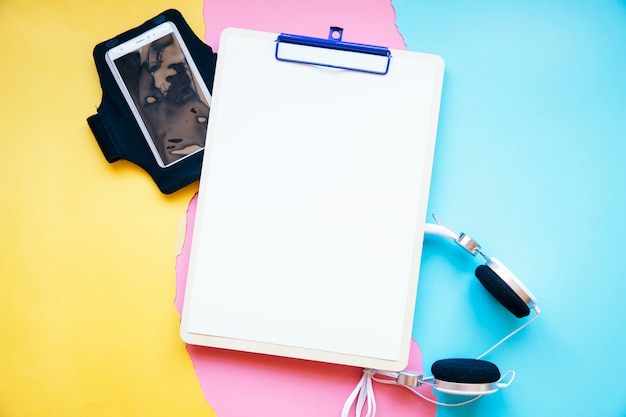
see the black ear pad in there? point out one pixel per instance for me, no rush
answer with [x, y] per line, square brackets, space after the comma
[465, 371]
[501, 291]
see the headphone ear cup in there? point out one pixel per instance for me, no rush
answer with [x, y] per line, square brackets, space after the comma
[501, 291]
[465, 371]
[465, 376]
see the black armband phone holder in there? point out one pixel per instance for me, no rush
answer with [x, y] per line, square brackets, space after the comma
[114, 126]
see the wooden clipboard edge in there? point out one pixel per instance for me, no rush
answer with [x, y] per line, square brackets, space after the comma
[426, 181]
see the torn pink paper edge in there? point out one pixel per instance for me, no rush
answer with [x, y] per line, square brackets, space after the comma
[370, 22]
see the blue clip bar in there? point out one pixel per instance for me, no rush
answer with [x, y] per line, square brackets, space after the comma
[335, 42]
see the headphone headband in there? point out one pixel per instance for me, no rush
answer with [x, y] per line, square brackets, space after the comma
[467, 377]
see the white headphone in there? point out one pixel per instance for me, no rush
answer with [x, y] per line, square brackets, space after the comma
[458, 376]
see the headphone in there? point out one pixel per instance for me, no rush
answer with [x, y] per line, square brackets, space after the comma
[459, 376]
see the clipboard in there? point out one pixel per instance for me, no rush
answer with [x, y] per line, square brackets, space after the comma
[312, 201]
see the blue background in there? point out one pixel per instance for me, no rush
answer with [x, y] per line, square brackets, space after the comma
[530, 162]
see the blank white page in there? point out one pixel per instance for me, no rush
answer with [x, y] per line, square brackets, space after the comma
[312, 202]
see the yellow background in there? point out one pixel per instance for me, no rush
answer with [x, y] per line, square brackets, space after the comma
[87, 266]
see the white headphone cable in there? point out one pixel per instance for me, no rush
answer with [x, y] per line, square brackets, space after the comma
[505, 338]
[362, 393]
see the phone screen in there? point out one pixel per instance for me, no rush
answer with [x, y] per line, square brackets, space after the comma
[165, 92]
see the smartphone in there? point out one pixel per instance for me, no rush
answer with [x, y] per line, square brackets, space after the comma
[164, 91]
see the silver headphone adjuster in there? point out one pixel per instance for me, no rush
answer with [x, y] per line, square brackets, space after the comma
[463, 240]
[410, 379]
[468, 243]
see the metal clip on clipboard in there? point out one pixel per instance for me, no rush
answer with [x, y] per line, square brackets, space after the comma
[333, 52]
